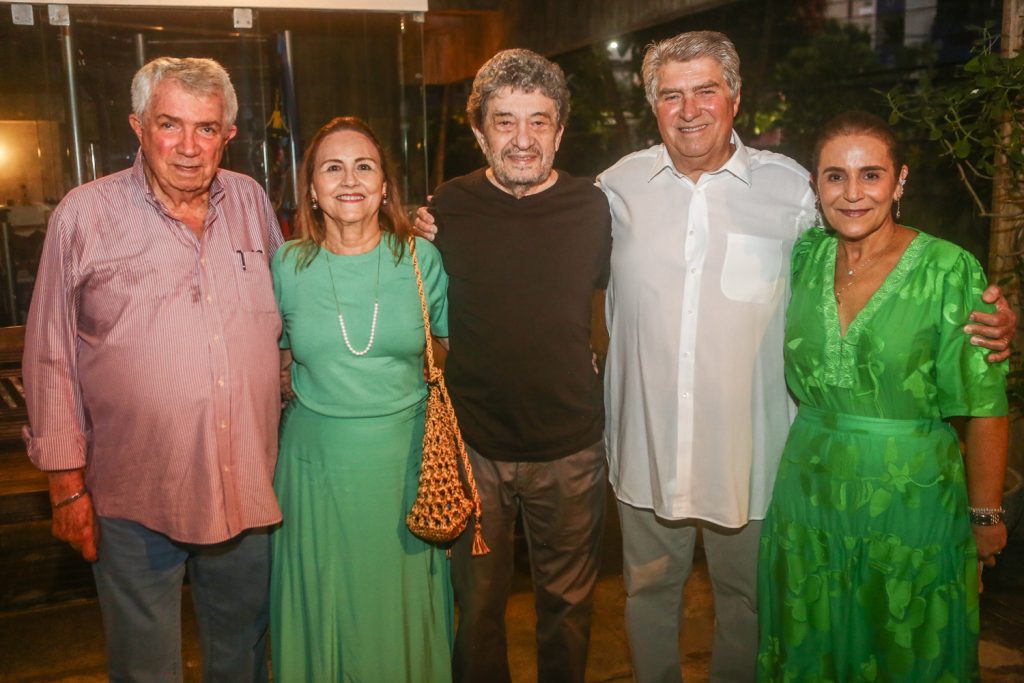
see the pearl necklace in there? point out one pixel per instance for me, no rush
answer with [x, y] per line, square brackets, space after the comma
[341, 317]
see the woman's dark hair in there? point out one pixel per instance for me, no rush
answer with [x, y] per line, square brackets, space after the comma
[856, 122]
[309, 222]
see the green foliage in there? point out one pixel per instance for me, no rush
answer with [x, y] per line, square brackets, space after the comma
[975, 119]
[834, 71]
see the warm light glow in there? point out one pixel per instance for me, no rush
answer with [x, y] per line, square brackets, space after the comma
[3, 154]
[614, 45]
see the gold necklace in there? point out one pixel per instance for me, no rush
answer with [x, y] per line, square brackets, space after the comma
[856, 272]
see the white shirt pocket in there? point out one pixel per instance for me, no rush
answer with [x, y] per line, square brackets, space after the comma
[752, 268]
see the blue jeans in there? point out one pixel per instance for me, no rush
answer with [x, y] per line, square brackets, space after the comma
[138, 578]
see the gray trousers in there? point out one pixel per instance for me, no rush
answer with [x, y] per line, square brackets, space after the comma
[563, 504]
[657, 560]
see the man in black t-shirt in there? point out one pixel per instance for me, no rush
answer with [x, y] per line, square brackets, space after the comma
[525, 247]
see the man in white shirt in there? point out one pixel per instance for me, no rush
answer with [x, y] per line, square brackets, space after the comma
[696, 401]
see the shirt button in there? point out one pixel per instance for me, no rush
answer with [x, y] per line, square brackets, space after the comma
[693, 270]
[220, 381]
[209, 299]
[216, 337]
[686, 354]
[202, 261]
[686, 395]
[223, 424]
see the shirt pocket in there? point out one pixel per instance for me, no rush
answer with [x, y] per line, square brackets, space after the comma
[255, 285]
[752, 268]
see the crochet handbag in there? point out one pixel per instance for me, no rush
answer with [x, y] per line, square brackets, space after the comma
[446, 497]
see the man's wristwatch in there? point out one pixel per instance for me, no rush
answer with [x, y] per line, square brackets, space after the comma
[987, 516]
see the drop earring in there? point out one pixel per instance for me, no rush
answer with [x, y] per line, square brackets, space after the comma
[316, 207]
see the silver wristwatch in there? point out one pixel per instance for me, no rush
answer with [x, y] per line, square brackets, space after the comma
[987, 516]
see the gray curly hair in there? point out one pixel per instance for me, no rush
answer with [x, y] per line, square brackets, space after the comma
[522, 70]
[200, 76]
[686, 47]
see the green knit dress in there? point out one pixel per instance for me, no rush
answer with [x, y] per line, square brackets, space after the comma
[354, 596]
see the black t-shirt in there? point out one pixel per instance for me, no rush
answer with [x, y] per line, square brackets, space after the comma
[522, 277]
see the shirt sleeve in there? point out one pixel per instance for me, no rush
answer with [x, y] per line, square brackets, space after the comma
[808, 216]
[967, 383]
[274, 237]
[435, 286]
[277, 270]
[55, 435]
[604, 269]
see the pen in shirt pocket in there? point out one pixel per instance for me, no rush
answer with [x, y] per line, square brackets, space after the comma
[241, 255]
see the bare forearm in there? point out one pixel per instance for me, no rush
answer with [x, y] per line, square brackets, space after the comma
[285, 376]
[986, 443]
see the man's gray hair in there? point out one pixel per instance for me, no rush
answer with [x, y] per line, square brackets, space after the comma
[522, 70]
[198, 76]
[686, 47]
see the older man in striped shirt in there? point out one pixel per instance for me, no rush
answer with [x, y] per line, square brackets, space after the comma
[151, 376]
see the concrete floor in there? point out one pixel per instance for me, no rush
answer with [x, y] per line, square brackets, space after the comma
[64, 642]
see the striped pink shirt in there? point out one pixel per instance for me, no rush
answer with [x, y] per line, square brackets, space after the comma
[151, 356]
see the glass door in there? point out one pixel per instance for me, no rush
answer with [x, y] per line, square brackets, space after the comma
[65, 98]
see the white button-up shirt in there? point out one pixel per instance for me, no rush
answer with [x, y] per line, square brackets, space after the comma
[696, 400]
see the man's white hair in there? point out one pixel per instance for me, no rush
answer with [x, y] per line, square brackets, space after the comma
[198, 76]
[686, 47]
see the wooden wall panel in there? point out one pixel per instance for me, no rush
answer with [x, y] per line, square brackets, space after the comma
[462, 34]
[456, 44]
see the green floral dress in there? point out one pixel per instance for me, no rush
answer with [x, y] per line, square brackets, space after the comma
[867, 569]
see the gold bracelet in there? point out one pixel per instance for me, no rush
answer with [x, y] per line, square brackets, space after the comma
[70, 499]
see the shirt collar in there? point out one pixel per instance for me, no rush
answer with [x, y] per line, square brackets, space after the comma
[737, 165]
[139, 177]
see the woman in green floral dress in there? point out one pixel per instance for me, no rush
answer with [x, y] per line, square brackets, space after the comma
[869, 558]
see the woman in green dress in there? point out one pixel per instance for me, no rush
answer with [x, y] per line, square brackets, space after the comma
[355, 597]
[869, 558]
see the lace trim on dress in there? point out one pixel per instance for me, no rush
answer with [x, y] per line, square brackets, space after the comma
[840, 351]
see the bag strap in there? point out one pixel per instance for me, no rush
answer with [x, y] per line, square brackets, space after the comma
[436, 378]
[433, 374]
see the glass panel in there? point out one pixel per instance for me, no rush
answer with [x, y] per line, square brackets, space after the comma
[34, 168]
[366, 64]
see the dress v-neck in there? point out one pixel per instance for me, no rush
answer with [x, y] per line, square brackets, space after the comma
[838, 346]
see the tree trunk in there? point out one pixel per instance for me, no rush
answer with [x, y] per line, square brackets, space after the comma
[1007, 223]
[1005, 237]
